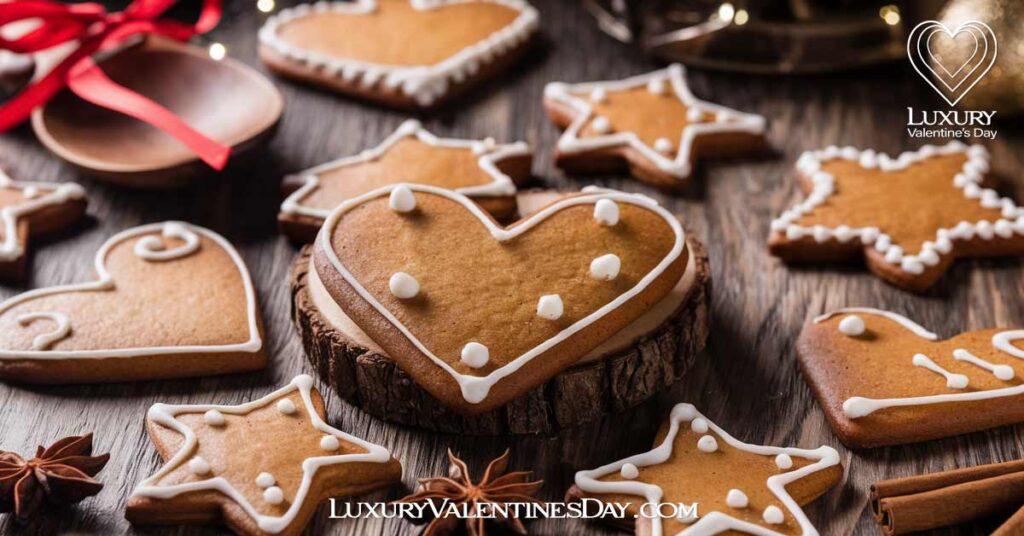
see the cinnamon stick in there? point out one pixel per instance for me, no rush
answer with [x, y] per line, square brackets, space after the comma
[1013, 526]
[947, 498]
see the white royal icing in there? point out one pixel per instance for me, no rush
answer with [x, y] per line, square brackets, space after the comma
[712, 522]
[273, 495]
[61, 328]
[699, 426]
[166, 415]
[35, 200]
[856, 407]
[601, 125]
[329, 443]
[403, 286]
[475, 354]
[914, 327]
[969, 180]
[657, 82]
[773, 515]
[475, 388]
[199, 466]
[424, 83]
[214, 418]
[736, 499]
[152, 248]
[105, 281]
[286, 407]
[550, 307]
[629, 471]
[606, 267]
[606, 212]
[490, 156]
[1001, 372]
[402, 200]
[852, 325]
[265, 480]
[707, 444]
[784, 461]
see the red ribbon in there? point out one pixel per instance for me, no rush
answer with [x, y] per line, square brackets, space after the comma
[96, 31]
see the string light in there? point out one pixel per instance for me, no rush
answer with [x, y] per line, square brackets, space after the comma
[890, 14]
[741, 17]
[726, 12]
[218, 51]
[266, 6]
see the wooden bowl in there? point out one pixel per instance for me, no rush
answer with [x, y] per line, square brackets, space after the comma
[225, 100]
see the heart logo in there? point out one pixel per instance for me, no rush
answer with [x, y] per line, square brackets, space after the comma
[477, 313]
[952, 62]
[172, 295]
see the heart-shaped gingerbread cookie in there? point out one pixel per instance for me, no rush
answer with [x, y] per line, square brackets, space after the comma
[406, 53]
[477, 313]
[171, 300]
[882, 379]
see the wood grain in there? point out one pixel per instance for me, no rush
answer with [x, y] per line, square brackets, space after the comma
[747, 379]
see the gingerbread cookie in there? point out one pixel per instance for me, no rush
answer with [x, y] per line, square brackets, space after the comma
[650, 123]
[908, 217]
[170, 300]
[32, 209]
[737, 487]
[883, 379]
[261, 467]
[478, 314]
[484, 170]
[403, 53]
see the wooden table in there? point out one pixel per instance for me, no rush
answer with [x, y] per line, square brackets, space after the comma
[747, 380]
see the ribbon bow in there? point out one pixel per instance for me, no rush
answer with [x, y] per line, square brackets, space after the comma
[97, 31]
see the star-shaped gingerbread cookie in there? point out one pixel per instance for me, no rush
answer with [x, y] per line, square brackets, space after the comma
[735, 486]
[261, 467]
[650, 123]
[484, 170]
[32, 209]
[909, 217]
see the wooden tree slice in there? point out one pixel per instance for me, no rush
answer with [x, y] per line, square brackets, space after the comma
[640, 361]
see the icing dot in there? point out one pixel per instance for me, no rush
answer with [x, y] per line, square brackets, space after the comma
[550, 307]
[273, 495]
[601, 125]
[699, 425]
[707, 444]
[329, 443]
[784, 461]
[599, 95]
[852, 326]
[629, 471]
[404, 286]
[401, 199]
[481, 147]
[214, 418]
[265, 480]
[656, 86]
[198, 466]
[772, 515]
[694, 115]
[286, 406]
[606, 212]
[30, 192]
[1003, 372]
[605, 267]
[475, 354]
[663, 145]
[736, 499]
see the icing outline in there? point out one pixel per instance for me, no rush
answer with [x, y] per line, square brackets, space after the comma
[857, 407]
[105, 281]
[717, 521]
[423, 83]
[679, 166]
[60, 192]
[502, 184]
[968, 180]
[165, 414]
[475, 388]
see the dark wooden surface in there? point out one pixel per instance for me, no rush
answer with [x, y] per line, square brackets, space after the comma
[747, 380]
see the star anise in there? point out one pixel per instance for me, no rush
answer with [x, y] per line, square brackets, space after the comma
[60, 474]
[495, 488]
